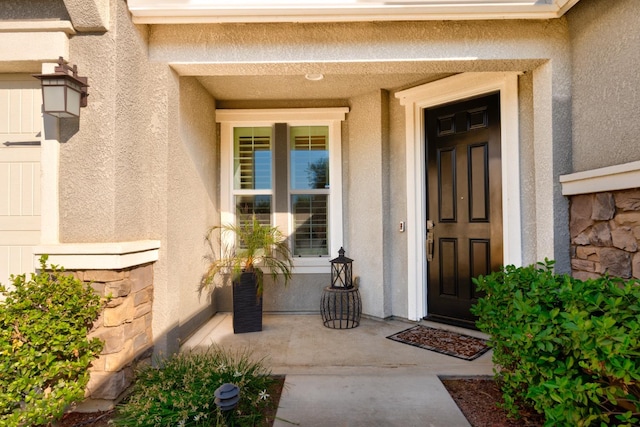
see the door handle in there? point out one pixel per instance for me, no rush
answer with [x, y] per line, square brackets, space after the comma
[429, 242]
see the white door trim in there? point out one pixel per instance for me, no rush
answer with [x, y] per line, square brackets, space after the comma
[450, 89]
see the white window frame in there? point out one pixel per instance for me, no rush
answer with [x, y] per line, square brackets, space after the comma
[331, 117]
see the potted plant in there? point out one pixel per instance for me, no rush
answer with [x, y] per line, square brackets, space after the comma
[248, 250]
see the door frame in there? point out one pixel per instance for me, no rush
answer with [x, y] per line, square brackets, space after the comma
[415, 101]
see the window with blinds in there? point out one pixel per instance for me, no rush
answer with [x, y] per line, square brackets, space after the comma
[252, 173]
[310, 216]
[309, 157]
[252, 158]
[309, 189]
[284, 167]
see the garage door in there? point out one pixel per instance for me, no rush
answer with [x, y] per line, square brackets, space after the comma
[20, 125]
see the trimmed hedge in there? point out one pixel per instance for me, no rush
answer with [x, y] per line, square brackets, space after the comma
[44, 350]
[566, 347]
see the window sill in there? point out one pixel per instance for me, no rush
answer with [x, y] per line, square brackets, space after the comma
[307, 265]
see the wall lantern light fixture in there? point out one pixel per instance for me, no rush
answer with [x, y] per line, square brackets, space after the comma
[63, 93]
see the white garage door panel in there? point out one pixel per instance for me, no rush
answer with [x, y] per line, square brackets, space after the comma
[19, 185]
[20, 124]
[11, 223]
[18, 100]
[19, 238]
[15, 259]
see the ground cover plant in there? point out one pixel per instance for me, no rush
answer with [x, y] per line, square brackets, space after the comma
[569, 348]
[44, 350]
[180, 392]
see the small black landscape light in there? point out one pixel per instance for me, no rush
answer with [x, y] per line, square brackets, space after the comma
[341, 271]
[227, 397]
[62, 93]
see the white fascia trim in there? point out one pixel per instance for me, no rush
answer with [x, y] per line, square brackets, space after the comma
[99, 256]
[611, 178]
[450, 89]
[212, 11]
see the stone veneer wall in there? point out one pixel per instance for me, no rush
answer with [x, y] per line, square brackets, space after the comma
[125, 328]
[605, 234]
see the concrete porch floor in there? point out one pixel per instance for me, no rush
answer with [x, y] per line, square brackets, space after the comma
[349, 377]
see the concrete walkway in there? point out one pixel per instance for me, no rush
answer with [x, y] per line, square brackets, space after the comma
[350, 377]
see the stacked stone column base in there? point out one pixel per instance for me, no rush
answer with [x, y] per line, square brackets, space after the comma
[605, 234]
[125, 328]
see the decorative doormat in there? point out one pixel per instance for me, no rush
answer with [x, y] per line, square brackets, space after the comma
[446, 342]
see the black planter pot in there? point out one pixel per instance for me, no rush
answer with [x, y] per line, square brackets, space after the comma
[247, 305]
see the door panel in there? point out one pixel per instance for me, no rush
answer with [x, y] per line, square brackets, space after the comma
[464, 203]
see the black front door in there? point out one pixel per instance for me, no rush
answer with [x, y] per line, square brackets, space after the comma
[464, 209]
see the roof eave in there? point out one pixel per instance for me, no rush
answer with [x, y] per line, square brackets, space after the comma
[172, 12]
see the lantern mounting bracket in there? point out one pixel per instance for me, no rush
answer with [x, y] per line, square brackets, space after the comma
[63, 67]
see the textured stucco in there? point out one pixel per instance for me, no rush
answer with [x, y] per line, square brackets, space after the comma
[605, 41]
[140, 164]
[365, 207]
[191, 203]
[89, 15]
[33, 9]
[445, 43]
[527, 169]
[396, 241]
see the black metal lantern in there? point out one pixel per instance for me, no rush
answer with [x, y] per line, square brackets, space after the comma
[341, 305]
[341, 271]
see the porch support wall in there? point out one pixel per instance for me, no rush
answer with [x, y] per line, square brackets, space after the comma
[366, 205]
[140, 163]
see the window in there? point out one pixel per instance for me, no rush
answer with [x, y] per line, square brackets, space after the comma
[284, 166]
[309, 189]
[252, 173]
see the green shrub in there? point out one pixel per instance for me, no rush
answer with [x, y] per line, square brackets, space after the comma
[181, 392]
[44, 350]
[567, 347]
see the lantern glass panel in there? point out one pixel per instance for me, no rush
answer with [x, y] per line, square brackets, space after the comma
[73, 101]
[341, 276]
[53, 98]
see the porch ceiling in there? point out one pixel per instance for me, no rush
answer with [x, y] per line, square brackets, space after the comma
[297, 87]
[242, 81]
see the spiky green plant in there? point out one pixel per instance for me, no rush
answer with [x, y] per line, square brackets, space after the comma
[180, 391]
[248, 247]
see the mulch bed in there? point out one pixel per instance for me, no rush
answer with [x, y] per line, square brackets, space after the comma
[478, 399]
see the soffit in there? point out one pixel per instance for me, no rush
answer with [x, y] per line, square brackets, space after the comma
[216, 11]
[342, 80]
[297, 87]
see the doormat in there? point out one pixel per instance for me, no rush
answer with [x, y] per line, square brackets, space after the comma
[450, 343]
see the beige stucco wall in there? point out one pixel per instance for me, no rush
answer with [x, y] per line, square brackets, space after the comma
[33, 9]
[605, 37]
[139, 164]
[365, 207]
